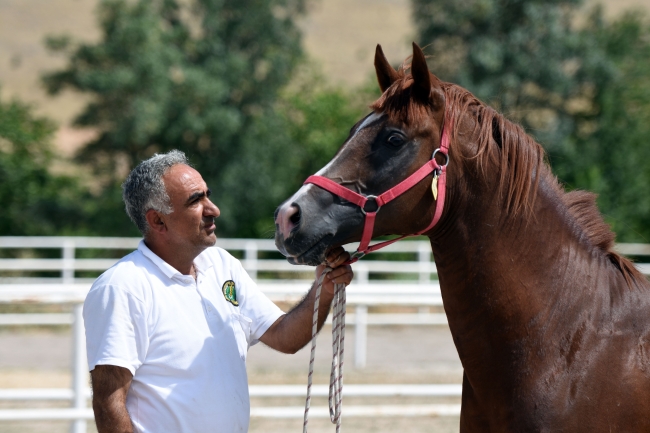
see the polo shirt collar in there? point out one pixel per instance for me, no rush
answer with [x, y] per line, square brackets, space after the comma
[201, 263]
[165, 267]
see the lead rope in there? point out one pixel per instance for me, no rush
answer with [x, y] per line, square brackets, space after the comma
[338, 339]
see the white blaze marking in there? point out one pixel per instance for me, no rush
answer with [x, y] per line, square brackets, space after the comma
[302, 191]
[366, 122]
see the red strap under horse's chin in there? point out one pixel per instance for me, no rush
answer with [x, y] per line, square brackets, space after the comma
[386, 197]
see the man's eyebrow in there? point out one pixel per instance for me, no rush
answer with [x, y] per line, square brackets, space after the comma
[195, 196]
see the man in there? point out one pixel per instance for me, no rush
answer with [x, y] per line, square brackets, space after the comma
[169, 326]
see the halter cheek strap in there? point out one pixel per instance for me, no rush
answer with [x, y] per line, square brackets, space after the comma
[431, 166]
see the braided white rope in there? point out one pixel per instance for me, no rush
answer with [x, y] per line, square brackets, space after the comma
[338, 340]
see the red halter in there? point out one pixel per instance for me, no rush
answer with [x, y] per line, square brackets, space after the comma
[391, 194]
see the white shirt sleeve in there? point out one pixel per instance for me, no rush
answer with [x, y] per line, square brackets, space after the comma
[116, 328]
[255, 305]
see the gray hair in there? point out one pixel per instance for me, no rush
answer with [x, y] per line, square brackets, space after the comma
[144, 188]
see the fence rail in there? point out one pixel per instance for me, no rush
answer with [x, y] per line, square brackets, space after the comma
[412, 282]
[255, 412]
[260, 391]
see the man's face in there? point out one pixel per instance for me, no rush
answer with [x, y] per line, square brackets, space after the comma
[191, 222]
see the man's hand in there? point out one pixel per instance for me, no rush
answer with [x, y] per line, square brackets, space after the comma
[293, 330]
[110, 386]
[339, 274]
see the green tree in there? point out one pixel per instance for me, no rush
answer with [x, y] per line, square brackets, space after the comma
[523, 57]
[33, 201]
[609, 152]
[579, 90]
[198, 76]
[299, 135]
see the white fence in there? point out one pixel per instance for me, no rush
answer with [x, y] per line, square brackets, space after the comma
[413, 282]
[422, 290]
[84, 413]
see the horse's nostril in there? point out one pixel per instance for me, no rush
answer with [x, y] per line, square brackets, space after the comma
[287, 220]
[295, 217]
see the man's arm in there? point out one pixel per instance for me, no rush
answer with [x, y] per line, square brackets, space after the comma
[110, 386]
[293, 330]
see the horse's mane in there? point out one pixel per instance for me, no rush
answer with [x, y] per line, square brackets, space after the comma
[517, 155]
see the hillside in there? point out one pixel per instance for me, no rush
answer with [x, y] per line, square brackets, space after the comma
[339, 34]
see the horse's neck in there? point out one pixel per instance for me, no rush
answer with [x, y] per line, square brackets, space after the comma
[504, 279]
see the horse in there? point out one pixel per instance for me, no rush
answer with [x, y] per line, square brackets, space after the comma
[551, 325]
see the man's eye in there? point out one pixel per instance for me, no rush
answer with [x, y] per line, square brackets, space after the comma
[395, 140]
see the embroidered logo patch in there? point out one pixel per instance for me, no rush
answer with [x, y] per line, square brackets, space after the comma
[230, 292]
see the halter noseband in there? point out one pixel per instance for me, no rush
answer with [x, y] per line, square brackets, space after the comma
[432, 166]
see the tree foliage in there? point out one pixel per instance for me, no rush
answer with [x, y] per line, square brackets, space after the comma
[187, 75]
[213, 78]
[579, 89]
[609, 151]
[295, 138]
[34, 201]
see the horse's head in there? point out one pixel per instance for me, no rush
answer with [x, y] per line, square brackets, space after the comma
[384, 148]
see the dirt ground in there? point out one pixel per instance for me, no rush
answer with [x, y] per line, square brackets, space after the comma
[396, 354]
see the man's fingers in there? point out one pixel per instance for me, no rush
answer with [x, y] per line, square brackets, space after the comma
[334, 273]
[341, 275]
[334, 254]
[337, 256]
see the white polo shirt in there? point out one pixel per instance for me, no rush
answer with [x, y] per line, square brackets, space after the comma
[184, 341]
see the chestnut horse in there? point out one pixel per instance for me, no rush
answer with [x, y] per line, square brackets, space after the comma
[551, 325]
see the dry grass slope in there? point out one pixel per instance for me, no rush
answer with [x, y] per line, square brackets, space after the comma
[339, 34]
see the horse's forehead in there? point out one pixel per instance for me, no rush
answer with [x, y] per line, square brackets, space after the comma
[370, 119]
[377, 120]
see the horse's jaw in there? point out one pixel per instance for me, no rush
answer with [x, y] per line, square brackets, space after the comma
[304, 250]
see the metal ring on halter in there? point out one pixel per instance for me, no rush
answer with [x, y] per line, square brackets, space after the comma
[442, 153]
[357, 254]
[373, 197]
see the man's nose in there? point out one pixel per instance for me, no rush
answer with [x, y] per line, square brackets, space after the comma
[211, 210]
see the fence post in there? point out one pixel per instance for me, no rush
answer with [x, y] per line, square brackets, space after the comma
[360, 336]
[79, 368]
[361, 274]
[424, 259]
[68, 255]
[250, 257]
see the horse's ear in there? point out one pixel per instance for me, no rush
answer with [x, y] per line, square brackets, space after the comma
[425, 85]
[386, 75]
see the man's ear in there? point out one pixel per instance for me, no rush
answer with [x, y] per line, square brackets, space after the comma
[155, 221]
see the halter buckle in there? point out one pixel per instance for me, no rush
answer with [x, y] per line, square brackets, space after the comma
[370, 197]
[357, 255]
[433, 156]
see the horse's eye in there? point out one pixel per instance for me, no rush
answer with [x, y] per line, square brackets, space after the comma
[395, 139]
